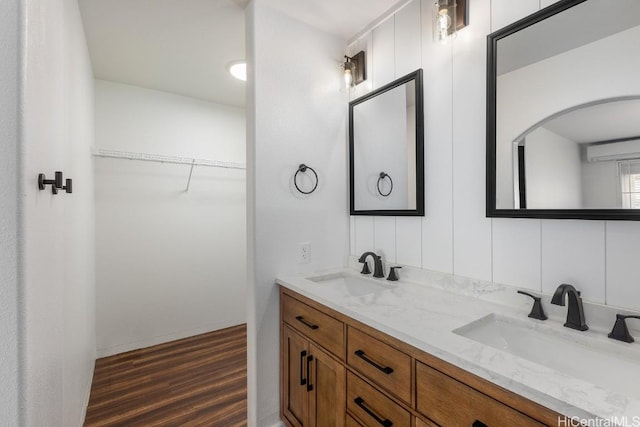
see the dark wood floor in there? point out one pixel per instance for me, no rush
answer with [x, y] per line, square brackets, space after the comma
[197, 381]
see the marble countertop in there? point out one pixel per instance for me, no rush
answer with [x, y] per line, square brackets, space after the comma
[424, 308]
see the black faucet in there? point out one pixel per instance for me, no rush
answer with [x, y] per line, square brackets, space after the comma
[377, 262]
[575, 312]
[620, 330]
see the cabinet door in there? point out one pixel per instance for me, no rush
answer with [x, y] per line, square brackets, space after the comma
[327, 400]
[294, 377]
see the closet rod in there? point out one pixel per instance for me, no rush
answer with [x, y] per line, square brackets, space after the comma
[158, 158]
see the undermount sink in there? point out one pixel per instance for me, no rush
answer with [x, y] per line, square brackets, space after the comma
[610, 365]
[353, 285]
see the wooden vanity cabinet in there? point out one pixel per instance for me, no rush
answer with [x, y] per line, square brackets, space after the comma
[336, 372]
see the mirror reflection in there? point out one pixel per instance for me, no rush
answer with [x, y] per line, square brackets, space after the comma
[386, 150]
[567, 110]
[584, 158]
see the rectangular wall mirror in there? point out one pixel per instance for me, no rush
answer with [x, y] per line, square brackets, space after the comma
[563, 113]
[386, 150]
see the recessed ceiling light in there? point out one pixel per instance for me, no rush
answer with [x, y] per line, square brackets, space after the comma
[238, 69]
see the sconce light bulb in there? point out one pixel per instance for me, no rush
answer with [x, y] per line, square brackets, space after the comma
[444, 12]
[444, 23]
[349, 69]
[348, 79]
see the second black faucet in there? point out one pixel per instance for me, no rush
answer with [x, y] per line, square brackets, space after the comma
[377, 264]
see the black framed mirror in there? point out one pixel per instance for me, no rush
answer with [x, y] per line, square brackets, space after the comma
[563, 113]
[386, 149]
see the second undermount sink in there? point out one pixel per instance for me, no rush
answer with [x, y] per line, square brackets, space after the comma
[606, 364]
[353, 285]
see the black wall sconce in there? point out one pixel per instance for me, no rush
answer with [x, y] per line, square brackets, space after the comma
[355, 70]
[449, 16]
[56, 183]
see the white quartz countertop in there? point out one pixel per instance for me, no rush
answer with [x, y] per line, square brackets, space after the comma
[424, 315]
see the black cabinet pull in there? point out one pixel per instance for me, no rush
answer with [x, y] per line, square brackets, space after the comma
[303, 354]
[306, 322]
[384, 422]
[309, 385]
[386, 369]
[478, 423]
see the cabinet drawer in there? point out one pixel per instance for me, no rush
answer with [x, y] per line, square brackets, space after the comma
[422, 423]
[371, 407]
[451, 403]
[321, 328]
[381, 363]
[352, 423]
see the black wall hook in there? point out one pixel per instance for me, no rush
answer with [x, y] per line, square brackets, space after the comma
[56, 183]
[303, 168]
[382, 176]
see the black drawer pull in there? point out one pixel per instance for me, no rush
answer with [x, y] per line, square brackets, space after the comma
[309, 385]
[386, 369]
[303, 353]
[306, 322]
[478, 423]
[360, 402]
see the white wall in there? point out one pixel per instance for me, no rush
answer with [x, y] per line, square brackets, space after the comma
[455, 236]
[9, 366]
[297, 115]
[56, 234]
[553, 171]
[601, 185]
[170, 263]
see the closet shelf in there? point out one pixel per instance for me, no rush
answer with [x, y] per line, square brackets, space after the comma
[159, 158]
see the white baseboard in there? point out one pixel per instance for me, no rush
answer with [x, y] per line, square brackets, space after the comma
[122, 348]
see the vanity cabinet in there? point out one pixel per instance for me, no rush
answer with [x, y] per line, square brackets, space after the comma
[313, 384]
[337, 371]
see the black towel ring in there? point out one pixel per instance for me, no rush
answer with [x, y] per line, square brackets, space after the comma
[380, 178]
[303, 168]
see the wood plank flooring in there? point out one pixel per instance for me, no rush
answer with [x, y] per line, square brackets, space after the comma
[196, 381]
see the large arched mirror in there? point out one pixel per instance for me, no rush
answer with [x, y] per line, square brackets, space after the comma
[563, 113]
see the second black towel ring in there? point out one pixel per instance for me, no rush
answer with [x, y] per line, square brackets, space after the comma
[303, 168]
[380, 178]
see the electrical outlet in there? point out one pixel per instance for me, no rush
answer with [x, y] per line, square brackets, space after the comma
[304, 254]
